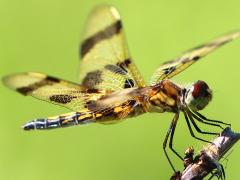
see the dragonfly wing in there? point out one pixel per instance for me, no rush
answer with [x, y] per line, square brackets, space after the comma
[105, 61]
[53, 90]
[173, 67]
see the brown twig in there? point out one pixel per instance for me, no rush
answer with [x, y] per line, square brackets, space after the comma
[208, 158]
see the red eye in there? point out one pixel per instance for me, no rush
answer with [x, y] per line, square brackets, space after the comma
[201, 89]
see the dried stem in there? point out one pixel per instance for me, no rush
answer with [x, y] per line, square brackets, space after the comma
[207, 160]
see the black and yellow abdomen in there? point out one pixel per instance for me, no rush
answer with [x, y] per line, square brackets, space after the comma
[103, 116]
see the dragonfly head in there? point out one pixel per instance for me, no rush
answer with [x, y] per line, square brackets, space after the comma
[198, 95]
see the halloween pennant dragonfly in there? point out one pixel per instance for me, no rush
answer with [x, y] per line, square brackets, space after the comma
[111, 88]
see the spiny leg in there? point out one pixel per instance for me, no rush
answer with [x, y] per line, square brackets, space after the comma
[190, 129]
[170, 129]
[165, 144]
[196, 126]
[210, 120]
[201, 120]
[172, 135]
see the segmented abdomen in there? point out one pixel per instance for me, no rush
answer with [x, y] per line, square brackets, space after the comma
[104, 116]
[71, 119]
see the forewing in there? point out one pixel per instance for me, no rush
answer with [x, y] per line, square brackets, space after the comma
[171, 68]
[53, 90]
[105, 61]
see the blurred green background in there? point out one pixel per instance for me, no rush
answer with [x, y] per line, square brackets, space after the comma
[44, 35]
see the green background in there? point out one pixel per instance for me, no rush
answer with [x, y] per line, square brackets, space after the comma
[44, 35]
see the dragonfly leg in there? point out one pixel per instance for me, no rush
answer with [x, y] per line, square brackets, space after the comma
[196, 115]
[170, 132]
[165, 145]
[190, 129]
[204, 122]
[196, 126]
[172, 135]
[210, 120]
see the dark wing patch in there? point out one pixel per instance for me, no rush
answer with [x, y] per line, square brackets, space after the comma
[107, 33]
[129, 83]
[169, 70]
[52, 79]
[92, 79]
[24, 90]
[124, 63]
[48, 80]
[116, 69]
[62, 98]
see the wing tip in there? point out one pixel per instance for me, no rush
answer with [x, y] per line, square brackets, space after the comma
[235, 34]
[109, 7]
[7, 80]
[13, 81]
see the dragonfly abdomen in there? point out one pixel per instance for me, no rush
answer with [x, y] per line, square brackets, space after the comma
[71, 119]
[105, 116]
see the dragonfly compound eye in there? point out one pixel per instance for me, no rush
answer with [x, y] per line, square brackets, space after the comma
[199, 95]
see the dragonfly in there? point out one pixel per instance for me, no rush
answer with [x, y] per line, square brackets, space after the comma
[110, 87]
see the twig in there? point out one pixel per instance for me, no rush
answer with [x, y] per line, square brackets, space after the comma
[207, 160]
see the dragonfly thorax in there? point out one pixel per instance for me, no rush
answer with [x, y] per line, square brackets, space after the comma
[166, 96]
[198, 95]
